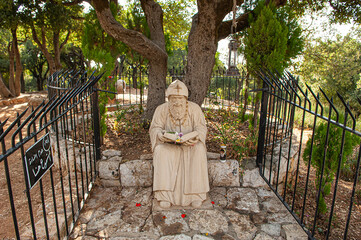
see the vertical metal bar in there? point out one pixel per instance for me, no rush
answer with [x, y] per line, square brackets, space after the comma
[10, 191]
[268, 129]
[282, 110]
[54, 196]
[42, 193]
[96, 123]
[85, 153]
[89, 127]
[290, 142]
[309, 163]
[274, 139]
[66, 138]
[322, 171]
[229, 89]
[27, 185]
[61, 174]
[93, 138]
[299, 155]
[352, 194]
[222, 97]
[337, 177]
[74, 123]
[275, 133]
[262, 127]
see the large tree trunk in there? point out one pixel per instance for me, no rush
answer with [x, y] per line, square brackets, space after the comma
[53, 61]
[4, 91]
[19, 67]
[157, 76]
[153, 49]
[11, 68]
[202, 47]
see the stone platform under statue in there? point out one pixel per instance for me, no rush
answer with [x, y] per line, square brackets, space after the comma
[122, 206]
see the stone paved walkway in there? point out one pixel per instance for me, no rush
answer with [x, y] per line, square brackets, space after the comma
[234, 213]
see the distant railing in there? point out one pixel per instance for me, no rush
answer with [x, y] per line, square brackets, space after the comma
[223, 90]
[49, 160]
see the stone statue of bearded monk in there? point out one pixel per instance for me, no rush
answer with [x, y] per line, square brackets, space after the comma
[178, 134]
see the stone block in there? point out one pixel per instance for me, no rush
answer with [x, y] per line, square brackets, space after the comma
[271, 229]
[176, 237]
[201, 237]
[273, 205]
[243, 199]
[218, 196]
[251, 178]
[136, 173]
[213, 156]
[264, 194]
[170, 222]
[242, 225]
[223, 174]
[110, 182]
[263, 236]
[111, 153]
[208, 221]
[293, 232]
[109, 169]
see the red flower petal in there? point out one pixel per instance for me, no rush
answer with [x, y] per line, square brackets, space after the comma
[183, 215]
[212, 202]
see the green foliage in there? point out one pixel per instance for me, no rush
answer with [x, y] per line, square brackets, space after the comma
[128, 120]
[272, 39]
[332, 151]
[225, 126]
[335, 66]
[349, 168]
[98, 46]
[341, 11]
[34, 61]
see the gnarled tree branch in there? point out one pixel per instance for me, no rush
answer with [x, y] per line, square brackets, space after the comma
[242, 21]
[135, 40]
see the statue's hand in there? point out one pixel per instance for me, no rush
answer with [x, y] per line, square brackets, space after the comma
[161, 137]
[191, 142]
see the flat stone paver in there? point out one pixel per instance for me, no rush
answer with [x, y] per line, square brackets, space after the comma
[129, 213]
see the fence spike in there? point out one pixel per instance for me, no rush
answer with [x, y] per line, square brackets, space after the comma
[330, 102]
[13, 123]
[316, 97]
[23, 124]
[348, 109]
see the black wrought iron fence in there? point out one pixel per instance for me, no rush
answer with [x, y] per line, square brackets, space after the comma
[49, 160]
[307, 170]
[132, 84]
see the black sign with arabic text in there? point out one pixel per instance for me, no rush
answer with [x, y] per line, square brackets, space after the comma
[38, 160]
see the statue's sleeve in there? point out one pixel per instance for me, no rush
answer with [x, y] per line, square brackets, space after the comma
[200, 124]
[157, 125]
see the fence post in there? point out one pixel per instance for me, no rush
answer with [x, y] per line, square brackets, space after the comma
[262, 125]
[96, 122]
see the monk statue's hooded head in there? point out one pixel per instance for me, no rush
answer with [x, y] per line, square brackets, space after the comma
[177, 94]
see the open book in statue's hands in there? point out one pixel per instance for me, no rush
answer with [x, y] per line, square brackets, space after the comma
[179, 138]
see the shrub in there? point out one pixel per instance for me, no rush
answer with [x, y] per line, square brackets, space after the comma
[331, 162]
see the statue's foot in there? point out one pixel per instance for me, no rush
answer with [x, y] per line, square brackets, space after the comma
[164, 204]
[197, 203]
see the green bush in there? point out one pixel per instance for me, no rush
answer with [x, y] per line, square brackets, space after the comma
[332, 156]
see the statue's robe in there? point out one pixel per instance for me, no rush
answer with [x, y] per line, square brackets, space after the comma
[180, 172]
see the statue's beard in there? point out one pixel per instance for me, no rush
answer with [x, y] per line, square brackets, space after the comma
[177, 110]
